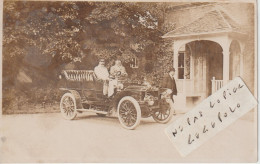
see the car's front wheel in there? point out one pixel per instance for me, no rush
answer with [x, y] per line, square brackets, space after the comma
[163, 114]
[129, 112]
[68, 106]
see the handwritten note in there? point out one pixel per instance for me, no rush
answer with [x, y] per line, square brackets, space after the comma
[211, 116]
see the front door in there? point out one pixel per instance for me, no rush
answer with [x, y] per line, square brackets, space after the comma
[214, 65]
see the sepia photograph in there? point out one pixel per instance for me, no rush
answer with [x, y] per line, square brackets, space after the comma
[115, 81]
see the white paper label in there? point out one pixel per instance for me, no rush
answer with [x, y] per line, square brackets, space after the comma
[211, 116]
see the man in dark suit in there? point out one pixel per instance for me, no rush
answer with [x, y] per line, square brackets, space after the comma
[169, 83]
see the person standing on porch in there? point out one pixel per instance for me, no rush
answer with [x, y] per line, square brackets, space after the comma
[168, 82]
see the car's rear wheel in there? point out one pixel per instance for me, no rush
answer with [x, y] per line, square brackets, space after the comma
[163, 114]
[68, 106]
[129, 112]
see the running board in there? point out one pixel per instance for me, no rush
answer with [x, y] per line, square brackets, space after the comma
[92, 110]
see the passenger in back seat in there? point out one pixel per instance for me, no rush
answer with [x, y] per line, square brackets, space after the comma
[102, 74]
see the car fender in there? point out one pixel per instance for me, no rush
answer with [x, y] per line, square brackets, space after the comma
[122, 94]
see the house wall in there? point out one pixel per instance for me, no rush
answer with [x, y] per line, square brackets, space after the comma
[242, 13]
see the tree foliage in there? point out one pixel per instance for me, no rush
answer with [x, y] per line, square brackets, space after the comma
[58, 32]
[42, 38]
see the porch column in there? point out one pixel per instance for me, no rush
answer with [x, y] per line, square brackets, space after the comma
[226, 55]
[175, 61]
[242, 48]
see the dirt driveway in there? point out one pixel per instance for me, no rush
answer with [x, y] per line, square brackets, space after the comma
[89, 138]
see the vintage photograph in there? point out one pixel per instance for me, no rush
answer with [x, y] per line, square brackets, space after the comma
[100, 81]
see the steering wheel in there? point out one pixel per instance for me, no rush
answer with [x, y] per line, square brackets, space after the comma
[118, 73]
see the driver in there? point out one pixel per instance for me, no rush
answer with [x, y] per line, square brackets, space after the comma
[118, 69]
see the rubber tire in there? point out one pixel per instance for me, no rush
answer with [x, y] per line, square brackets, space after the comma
[167, 119]
[74, 101]
[137, 108]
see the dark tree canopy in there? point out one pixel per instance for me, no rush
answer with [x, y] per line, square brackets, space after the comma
[40, 38]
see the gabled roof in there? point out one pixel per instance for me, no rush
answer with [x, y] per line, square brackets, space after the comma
[214, 21]
[183, 5]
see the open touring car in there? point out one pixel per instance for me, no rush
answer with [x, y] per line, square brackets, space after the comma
[131, 101]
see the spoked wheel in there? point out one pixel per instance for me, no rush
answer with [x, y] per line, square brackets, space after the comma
[68, 106]
[129, 112]
[163, 114]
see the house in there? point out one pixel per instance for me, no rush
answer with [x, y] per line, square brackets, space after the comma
[212, 44]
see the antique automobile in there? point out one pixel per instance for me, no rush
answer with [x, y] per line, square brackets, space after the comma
[131, 101]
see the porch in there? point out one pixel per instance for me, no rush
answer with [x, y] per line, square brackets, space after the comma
[205, 58]
[186, 90]
[186, 86]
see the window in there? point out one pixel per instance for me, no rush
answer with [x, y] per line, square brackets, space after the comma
[134, 63]
[184, 59]
[181, 65]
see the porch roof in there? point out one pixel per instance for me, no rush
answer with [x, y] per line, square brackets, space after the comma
[215, 21]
